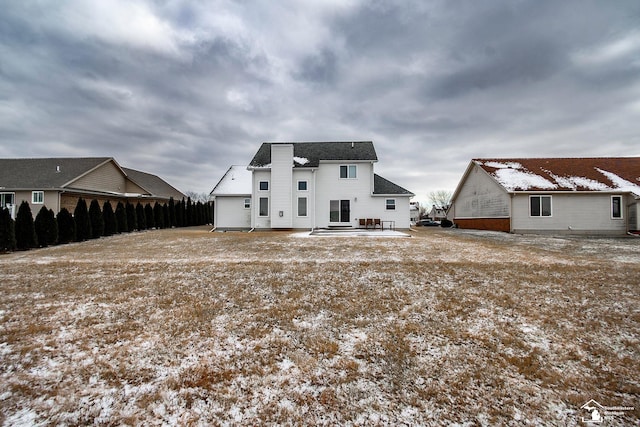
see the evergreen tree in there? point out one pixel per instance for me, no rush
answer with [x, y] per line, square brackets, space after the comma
[40, 225]
[132, 221]
[208, 209]
[66, 226]
[25, 230]
[199, 214]
[7, 231]
[180, 214]
[189, 213]
[148, 215]
[46, 227]
[172, 213]
[121, 218]
[81, 217]
[165, 213]
[97, 222]
[158, 215]
[109, 218]
[53, 228]
[140, 217]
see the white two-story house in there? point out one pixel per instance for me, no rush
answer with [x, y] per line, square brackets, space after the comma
[308, 185]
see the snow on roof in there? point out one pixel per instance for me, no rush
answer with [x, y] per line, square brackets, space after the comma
[566, 174]
[621, 183]
[236, 181]
[513, 179]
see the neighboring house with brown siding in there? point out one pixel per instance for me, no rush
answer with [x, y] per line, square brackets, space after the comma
[59, 182]
[550, 195]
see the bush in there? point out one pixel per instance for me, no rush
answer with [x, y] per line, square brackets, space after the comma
[81, 217]
[132, 222]
[172, 213]
[97, 222]
[66, 226]
[25, 230]
[7, 231]
[121, 218]
[148, 215]
[142, 221]
[180, 214]
[158, 215]
[46, 227]
[109, 218]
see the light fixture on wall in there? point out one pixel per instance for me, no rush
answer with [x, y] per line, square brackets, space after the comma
[280, 214]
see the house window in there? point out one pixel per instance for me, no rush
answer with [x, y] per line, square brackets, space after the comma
[247, 203]
[264, 186]
[302, 185]
[540, 205]
[6, 199]
[339, 211]
[302, 206]
[616, 207]
[264, 206]
[348, 171]
[37, 197]
[391, 204]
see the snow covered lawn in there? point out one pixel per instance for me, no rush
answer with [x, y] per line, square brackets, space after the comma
[449, 327]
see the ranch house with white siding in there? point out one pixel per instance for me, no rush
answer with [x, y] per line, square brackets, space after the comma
[309, 185]
[594, 196]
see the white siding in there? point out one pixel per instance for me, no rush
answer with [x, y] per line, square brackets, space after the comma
[570, 213]
[230, 212]
[481, 197]
[329, 186]
[281, 186]
[298, 221]
[399, 216]
[256, 220]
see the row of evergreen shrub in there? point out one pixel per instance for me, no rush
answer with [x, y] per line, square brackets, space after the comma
[93, 222]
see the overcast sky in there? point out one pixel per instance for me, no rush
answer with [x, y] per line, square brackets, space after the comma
[184, 89]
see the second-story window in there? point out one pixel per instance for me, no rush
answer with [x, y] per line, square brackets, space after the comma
[348, 171]
[264, 186]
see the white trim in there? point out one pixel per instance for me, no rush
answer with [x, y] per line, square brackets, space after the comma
[387, 205]
[259, 201]
[541, 211]
[306, 202]
[348, 166]
[620, 206]
[33, 197]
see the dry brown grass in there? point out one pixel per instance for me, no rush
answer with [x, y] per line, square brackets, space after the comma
[195, 328]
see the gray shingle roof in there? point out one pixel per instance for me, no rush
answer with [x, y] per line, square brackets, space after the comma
[46, 172]
[384, 186]
[60, 172]
[314, 152]
[153, 184]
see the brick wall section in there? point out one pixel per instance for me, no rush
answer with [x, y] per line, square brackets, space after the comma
[495, 224]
